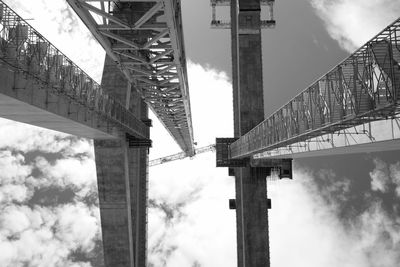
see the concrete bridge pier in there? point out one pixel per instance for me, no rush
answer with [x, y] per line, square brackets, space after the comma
[122, 167]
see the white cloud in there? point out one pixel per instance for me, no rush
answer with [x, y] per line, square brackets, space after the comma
[306, 230]
[354, 22]
[211, 106]
[378, 236]
[75, 169]
[13, 168]
[395, 174]
[77, 226]
[45, 235]
[14, 221]
[14, 193]
[335, 189]
[75, 173]
[27, 138]
[192, 222]
[385, 176]
[201, 228]
[380, 176]
[48, 236]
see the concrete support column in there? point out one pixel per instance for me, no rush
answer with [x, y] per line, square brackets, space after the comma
[138, 167]
[250, 183]
[138, 175]
[122, 181]
[251, 206]
[116, 218]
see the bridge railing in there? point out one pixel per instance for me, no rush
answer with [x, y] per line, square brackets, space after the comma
[364, 87]
[26, 50]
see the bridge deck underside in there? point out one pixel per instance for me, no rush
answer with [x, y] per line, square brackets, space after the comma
[380, 135]
[363, 88]
[36, 73]
[26, 102]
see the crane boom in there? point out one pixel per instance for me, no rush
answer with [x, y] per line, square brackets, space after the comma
[180, 155]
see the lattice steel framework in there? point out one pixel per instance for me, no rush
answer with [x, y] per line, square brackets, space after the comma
[146, 42]
[181, 155]
[363, 88]
[26, 51]
[380, 135]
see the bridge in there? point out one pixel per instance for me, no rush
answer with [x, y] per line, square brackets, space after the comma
[352, 108]
[145, 67]
[358, 97]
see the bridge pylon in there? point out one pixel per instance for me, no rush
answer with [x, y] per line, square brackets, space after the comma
[251, 201]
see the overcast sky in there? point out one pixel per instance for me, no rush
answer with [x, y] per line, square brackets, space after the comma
[338, 211]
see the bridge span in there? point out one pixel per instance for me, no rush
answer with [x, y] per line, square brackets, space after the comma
[145, 67]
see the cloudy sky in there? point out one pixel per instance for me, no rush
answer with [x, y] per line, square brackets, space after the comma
[338, 210]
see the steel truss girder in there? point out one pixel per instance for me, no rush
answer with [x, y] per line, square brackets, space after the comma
[363, 88]
[152, 59]
[380, 135]
[29, 53]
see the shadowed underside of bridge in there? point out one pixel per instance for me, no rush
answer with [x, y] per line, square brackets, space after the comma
[351, 109]
[144, 67]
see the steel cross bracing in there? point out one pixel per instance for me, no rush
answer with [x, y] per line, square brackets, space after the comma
[145, 39]
[33, 57]
[350, 99]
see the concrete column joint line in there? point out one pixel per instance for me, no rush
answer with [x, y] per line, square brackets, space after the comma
[242, 217]
[137, 151]
[128, 203]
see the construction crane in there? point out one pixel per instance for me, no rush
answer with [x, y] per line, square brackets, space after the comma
[180, 155]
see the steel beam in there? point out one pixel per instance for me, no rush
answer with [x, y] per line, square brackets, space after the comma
[150, 13]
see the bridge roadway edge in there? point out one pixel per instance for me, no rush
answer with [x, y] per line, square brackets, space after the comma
[28, 100]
